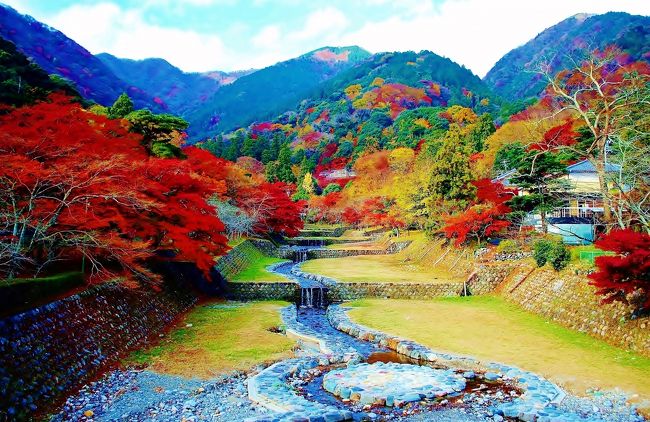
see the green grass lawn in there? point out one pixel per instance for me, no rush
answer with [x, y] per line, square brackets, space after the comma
[257, 272]
[223, 336]
[491, 329]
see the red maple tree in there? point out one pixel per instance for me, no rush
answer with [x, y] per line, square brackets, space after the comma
[627, 272]
[478, 222]
[272, 209]
[75, 184]
[484, 218]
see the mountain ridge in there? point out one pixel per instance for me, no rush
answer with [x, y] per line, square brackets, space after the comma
[58, 54]
[577, 33]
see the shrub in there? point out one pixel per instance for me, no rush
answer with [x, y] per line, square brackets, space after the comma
[559, 256]
[541, 250]
[508, 246]
[626, 274]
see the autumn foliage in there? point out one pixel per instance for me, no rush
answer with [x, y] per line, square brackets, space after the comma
[482, 219]
[272, 208]
[79, 186]
[559, 136]
[627, 272]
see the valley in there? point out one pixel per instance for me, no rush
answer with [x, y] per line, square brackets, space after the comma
[344, 233]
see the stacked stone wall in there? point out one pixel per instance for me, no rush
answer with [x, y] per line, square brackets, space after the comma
[393, 247]
[47, 351]
[351, 291]
[262, 291]
[240, 257]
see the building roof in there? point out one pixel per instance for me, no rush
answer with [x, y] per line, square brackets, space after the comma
[581, 167]
[505, 177]
[586, 166]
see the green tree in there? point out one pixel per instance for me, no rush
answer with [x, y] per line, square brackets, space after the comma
[451, 175]
[284, 173]
[234, 147]
[267, 156]
[509, 157]
[248, 147]
[215, 146]
[307, 165]
[481, 130]
[538, 175]
[162, 133]
[332, 187]
[121, 107]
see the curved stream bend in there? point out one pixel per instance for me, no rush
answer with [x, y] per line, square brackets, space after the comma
[329, 340]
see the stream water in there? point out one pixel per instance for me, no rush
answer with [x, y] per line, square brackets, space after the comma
[144, 395]
[312, 313]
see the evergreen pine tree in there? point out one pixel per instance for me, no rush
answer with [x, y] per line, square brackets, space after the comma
[121, 107]
[248, 148]
[284, 172]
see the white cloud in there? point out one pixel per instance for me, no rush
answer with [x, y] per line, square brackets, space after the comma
[268, 37]
[327, 22]
[477, 33]
[321, 27]
[124, 33]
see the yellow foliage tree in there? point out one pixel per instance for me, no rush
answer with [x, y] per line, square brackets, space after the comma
[302, 131]
[353, 91]
[401, 160]
[460, 115]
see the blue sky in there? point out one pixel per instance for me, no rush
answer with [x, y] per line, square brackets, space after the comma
[201, 35]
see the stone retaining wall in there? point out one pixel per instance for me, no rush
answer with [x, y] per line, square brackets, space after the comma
[337, 232]
[46, 351]
[240, 256]
[270, 249]
[570, 301]
[351, 291]
[394, 247]
[236, 259]
[485, 277]
[288, 291]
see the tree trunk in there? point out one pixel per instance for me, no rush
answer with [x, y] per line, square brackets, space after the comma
[542, 217]
[604, 190]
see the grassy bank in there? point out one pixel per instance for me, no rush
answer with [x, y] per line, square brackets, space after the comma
[217, 338]
[257, 271]
[491, 329]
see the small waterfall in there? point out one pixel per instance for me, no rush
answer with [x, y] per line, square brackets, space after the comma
[313, 297]
[300, 255]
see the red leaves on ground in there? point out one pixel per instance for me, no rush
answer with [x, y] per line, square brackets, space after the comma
[628, 271]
